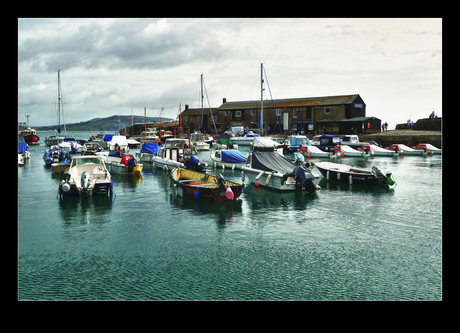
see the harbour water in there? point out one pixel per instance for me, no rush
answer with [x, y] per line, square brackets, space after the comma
[342, 243]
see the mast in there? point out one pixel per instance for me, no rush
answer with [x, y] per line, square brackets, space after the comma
[59, 101]
[202, 129]
[262, 98]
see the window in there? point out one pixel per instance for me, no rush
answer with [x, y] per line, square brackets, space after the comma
[198, 119]
[327, 110]
[238, 114]
[226, 113]
[294, 113]
[253, 112]
[278, 112]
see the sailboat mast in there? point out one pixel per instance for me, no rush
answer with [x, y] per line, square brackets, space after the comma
[202, 129]
[262, 98]
[59, 101]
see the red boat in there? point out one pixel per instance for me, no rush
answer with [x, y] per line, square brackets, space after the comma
[30, 136]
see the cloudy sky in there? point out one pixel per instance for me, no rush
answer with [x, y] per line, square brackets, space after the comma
[110, 66]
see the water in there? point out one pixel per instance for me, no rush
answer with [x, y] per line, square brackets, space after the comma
[341, 243]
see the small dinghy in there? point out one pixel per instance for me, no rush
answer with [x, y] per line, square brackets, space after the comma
[355, 175]
[203, 186]
[428, 149]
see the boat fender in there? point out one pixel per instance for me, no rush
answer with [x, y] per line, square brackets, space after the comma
[197, 194]
[229, 193]
[259, 175]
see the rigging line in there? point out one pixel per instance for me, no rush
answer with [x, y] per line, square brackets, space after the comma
[277, 121]
[210, 111]
[255, 80]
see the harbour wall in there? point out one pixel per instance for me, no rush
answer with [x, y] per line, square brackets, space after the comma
[408, 137]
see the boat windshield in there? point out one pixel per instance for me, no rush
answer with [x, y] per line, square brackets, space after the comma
[81, 161]
[174, 143]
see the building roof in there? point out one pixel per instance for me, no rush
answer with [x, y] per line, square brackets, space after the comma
[291, 102]
[197, 112]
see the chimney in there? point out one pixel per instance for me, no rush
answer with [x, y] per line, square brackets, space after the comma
[186, 107]
[224, 100]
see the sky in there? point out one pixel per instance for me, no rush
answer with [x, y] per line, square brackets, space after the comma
[112, 66]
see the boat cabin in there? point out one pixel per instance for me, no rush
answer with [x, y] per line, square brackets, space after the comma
[174, 149]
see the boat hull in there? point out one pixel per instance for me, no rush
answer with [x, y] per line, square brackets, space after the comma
[203, 186]
[332, 171]
[273, 180]
[32, 139]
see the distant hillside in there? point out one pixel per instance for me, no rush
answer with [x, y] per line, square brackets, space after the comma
[113, 123]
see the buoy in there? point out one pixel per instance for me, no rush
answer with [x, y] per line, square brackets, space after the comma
[257, 184]
[137, 170]
[343, 155]
[309, 156]
[229, 193]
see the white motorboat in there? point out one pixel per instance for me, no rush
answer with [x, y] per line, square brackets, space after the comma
[374, 150]
[229, 158]
[275, 171]
[224, 143]
[314, 151]
[405, 150]
[87, 176]
[198, 142]
[244, 140]
[172, 155]
[428, 148]
[71, 145]
[267, 144]
[124, 165]
[118, 143]
[347, 151]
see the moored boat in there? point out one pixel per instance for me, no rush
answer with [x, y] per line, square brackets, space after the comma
[374, 150]
[30, 136]
[428, 149]
[56, 155]
[23, 152]
[355, 175]
[347, 151]
[203, 186]
[275, 171]
[405, 150]
[87, 176]
[229, 158]
[313, 151]
[123, 165]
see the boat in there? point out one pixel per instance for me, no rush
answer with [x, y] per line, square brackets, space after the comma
[374, 150]
[275, 171]
[355, 175]
[147, 151]
[56, 155]
[246, 139]
[405, 150]
[229, 158]
[198, 142]
[172, 155]
[87, 176]
[347, 151]
[267, 144]
[297, 141]
[94, 148]
[23, 152]
[123, 165]
[428, 149]
[224, 143]
[314, 151]
[203, 186]
[30, 136]
[118, 143]
[71, 145]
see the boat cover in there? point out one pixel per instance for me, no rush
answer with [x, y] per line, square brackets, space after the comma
[108, 137]
[22, 147]
[150, 147]
[269, 161]
[233, 156]
[265, 142]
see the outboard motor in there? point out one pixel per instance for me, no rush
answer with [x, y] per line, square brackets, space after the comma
[221, 182]
[132, 162]
[193, 163]
[388, 176]
[85, 184]
[302, 180]
[65, 176]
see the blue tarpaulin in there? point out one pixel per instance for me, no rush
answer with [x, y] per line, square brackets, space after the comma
[22, 147]
[150, 148]
[108, 137]
[233, 156]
